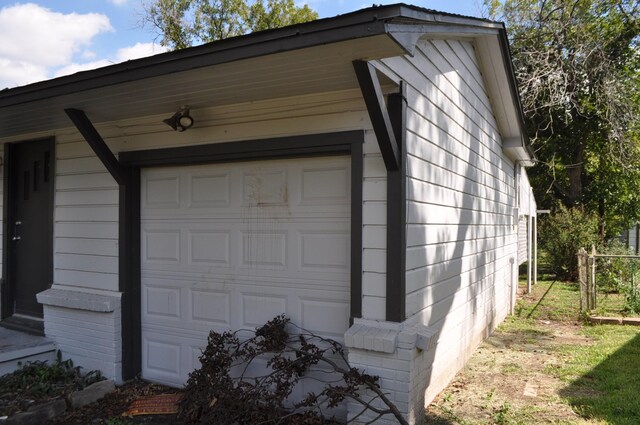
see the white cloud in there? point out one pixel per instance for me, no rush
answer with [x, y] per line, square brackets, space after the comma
[88, 54]
[139, 50]
[35, 39]
[118, 2]
[72, 68]
[16, 73]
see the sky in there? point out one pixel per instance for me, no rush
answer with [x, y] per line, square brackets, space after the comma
[44, 39]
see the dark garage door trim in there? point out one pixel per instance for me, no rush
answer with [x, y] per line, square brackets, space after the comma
[327, 144]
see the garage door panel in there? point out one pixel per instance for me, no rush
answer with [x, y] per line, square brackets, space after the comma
[209, 190]
[212, 307]
[265, 188]
[324, 250]
[322, 185]
[260, 308]
[209, 247]
[264, 250]
[161, 192]
[161, 246]
[162, 301]
[230, 246]
[324, 317]
[162, 357]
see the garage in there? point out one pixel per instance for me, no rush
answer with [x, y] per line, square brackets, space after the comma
[231, 245]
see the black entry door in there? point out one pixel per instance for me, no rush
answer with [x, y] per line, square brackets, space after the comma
[30, 224]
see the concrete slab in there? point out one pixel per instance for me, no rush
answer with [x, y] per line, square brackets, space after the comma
[19, 347]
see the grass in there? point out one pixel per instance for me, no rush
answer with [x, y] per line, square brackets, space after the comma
[549, 300]
[595, 368]
[605, 377]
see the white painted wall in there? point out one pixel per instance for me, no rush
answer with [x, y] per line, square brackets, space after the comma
[86, 197]
[461, 193]
[461, 233]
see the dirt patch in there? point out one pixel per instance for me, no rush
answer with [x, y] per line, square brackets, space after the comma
[510, 379]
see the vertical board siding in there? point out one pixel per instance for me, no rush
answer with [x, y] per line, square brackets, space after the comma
[460, 199]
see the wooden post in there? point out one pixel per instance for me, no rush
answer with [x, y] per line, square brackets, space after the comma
[582, 278]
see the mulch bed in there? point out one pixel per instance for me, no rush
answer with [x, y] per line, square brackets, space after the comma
[110, 409]
[112, 406]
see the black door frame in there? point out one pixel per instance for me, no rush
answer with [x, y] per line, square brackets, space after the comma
[8, 216]
[327, 144]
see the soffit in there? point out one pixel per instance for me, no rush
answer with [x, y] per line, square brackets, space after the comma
[310, 70]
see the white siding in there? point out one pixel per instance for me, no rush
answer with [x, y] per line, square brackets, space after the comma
[374, 232]
[86, 198]
[86, 218]
[460, 200]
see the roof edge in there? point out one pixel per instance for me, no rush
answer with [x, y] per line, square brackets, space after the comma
[358, 24]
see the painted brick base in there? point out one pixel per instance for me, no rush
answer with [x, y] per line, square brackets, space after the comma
[85, 328]
[402, 370]
[411, 374]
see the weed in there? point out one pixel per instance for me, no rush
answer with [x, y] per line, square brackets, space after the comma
[39, 381]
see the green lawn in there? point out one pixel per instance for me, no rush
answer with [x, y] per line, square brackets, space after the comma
[585, 374]
[603, 377]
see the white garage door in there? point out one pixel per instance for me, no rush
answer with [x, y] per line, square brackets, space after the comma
[230, 246]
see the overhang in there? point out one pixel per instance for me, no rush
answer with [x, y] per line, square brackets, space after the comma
[300, 59]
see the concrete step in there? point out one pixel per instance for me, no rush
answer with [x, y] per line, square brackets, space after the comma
[18, 348]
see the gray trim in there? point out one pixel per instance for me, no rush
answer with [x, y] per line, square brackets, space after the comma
[129, 271]
[95, 141]
[348, 142]
[6, 291]
[396, 213]
[362, 23]
[505, 50]
[374, 99]
[6, 307]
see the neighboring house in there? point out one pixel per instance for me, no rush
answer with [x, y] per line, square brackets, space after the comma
[527, 226]
[356, 173]
[631, 237]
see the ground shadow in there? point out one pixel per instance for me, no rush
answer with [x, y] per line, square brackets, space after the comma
[611, 390]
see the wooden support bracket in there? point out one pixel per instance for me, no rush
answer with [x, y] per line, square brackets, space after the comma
[93, 138]
[374, 99]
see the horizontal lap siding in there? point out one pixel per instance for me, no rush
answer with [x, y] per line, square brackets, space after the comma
[86, 199]
[86, 218]
[460, 200]
[374, 219]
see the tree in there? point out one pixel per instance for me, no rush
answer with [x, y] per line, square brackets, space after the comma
[577, 63]
[184, 23]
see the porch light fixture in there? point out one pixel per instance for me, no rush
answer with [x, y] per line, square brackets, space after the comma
[181, 120]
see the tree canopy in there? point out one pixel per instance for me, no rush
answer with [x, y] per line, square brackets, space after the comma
[577, 63]
[184, 23]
